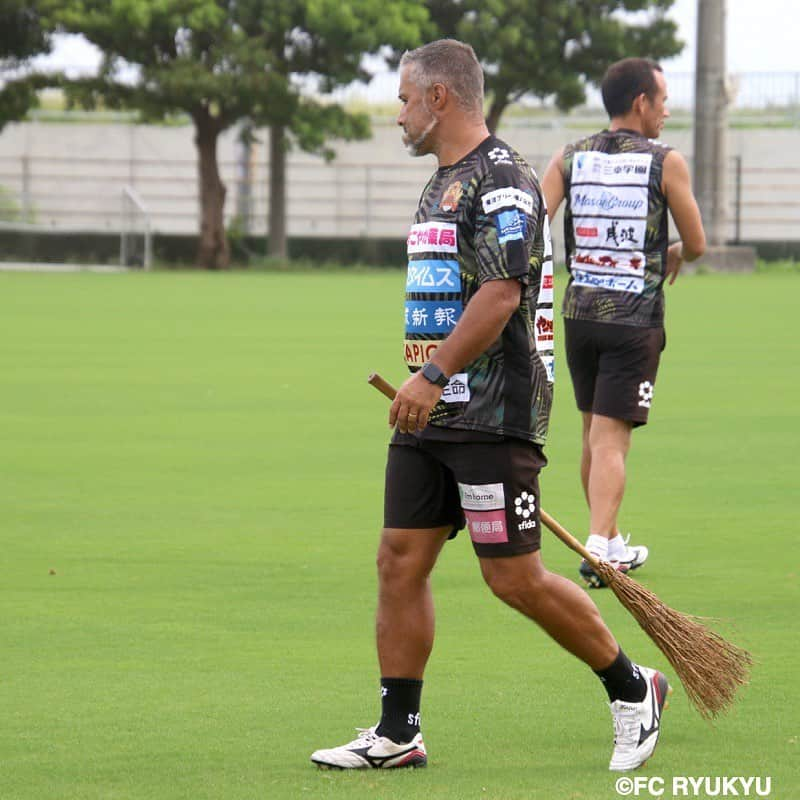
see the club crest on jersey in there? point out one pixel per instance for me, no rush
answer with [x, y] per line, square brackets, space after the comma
[452, 196]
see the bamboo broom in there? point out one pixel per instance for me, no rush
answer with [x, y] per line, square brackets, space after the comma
[710, 668]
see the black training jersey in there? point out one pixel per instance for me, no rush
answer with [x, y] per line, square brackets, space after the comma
[478, 220]
[615, 229]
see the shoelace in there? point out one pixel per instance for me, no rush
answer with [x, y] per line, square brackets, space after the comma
[365, 736]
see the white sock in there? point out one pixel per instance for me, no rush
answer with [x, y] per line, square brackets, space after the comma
[597, 546]
[617, 548]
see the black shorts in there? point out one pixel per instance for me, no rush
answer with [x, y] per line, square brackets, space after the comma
[492, 488]
[613, 367]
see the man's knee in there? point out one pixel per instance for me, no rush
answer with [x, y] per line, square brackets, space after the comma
[516, 581]
[406, 556]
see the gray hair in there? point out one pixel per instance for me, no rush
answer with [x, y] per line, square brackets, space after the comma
[451, 63]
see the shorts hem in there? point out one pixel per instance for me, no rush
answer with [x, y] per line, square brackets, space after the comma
[507, 552]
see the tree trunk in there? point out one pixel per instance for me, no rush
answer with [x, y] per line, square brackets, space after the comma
[212, 252]
[277, 192]
[496, 110]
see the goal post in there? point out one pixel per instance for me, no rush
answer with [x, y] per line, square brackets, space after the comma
[136, 235]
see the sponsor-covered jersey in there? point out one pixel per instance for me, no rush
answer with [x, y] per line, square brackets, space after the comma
[479, 220]
[615, 229]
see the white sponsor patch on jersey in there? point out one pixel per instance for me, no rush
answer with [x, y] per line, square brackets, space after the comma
[609, 261]
[457, 389]
[548, 242]
[546, 284]
[482, 496]
[433, 237]
[614, 283]
[611, 169]
[507, 197]
[544, 329]
[550, 365]
[609, 201]
[609, 232]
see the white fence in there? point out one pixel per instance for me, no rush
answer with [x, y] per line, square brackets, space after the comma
[71, 176]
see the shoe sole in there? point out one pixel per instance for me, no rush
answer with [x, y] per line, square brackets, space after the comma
[411, 765]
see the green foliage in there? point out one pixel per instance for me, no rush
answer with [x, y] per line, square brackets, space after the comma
[9, 208]
[23, 33]
[786, 266]
[221, 61]
[230, 59]
[550, 49]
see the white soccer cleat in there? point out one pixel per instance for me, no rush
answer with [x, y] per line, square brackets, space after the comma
[637, 725]
[634, 556]
[370, 751]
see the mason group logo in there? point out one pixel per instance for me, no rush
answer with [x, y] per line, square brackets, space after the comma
[596, 200]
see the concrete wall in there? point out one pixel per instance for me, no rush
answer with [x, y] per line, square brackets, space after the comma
[71, 175]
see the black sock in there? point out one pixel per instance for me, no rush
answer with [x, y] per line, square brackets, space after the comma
[400, 709]
[622, 680]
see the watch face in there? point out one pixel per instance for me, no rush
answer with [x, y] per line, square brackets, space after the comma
[434, 374]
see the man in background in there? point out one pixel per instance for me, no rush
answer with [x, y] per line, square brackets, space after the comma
[617, 186]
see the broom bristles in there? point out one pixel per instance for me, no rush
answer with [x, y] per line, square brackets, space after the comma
[710, 668]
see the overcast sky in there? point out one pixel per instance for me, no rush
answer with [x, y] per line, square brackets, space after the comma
[762, 36]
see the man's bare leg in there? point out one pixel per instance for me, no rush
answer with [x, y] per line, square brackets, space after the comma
[608, 443]
[556, 604]
[405, 616]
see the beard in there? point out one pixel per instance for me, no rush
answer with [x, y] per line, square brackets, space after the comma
[413, 146]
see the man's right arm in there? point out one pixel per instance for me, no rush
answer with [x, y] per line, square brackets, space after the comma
[677, 189]
[553, 183]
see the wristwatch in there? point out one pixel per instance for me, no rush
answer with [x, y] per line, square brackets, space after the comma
[433, 374]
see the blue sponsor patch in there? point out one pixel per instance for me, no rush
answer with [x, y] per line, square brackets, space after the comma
[510, 226]
[429, 276]
[432, 316]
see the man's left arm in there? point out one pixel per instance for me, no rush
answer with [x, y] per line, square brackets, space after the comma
[677, 188]
[482, 322]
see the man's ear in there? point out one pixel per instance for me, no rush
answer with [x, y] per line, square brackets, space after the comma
[438, 96]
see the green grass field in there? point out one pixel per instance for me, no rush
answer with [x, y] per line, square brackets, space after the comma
[199, 460]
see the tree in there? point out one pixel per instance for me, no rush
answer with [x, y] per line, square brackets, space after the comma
[221, 61]
[325, 41]
[550, 48]
[23, 34]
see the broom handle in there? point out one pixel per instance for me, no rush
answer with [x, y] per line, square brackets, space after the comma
[386, 388]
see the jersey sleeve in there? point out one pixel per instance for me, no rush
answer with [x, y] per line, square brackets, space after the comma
[507, 211]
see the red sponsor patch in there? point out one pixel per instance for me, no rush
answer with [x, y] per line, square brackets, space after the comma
[581, 230]
[487, 527]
